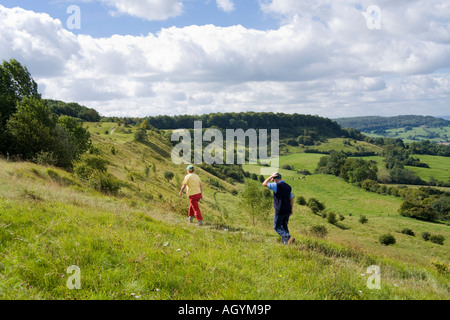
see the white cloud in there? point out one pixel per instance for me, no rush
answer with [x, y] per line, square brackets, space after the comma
[225, 5]
[325, 61]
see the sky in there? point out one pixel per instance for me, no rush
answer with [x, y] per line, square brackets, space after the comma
[332, 58]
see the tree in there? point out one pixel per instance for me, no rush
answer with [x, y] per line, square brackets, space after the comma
[72, 140]
[442, 206]
[358, 170]
[16, 83]
[140, 135]
[254, 201]
[32, 128]
[332, 164]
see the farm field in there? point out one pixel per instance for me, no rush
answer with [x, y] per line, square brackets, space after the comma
[438, 135]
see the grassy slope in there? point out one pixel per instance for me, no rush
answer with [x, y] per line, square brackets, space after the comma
[138, 245]
[439, 168]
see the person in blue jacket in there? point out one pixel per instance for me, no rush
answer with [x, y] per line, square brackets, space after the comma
[283, 202]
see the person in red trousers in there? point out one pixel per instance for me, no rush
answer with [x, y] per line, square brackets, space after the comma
[193, 185]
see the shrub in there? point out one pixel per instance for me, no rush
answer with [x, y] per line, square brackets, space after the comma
[426, 236]
[140, 135]
[387, 239]
[331, 217]
[363, 219]
[45, 158]
[301, 201]
[441, 267]
[315, 205]
[438, 239]
[88, 165]
[92, 170]
[168, 175]
[105, 182]
[408, 232]
[318, 231]
[304, 172]
[341, 217]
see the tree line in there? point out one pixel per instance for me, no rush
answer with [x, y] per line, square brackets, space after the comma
[376, 123]
[290, 125]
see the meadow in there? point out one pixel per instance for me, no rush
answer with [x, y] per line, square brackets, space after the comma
[138, 244]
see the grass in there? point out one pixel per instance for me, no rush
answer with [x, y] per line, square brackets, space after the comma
[418, 133]
[138, 245]
[439, 168]
[352, 202]
[338, 144]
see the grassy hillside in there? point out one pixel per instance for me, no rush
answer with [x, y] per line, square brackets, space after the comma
[381, 210]
[409, 128]
[439, 168]
[138, 244]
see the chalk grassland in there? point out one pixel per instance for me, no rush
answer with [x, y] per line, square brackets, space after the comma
[138, 245]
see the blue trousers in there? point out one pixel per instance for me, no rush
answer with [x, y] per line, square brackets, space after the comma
[281, 227]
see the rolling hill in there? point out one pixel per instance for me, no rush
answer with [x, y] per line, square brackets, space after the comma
[408, 127]
[137, 244]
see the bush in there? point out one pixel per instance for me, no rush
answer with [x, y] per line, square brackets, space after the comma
[331, 217]
[426, 236]
[441, 267]
[438, 239]
[315, 205]
[318, 231]
[408, 232]
[45, 158]
[387, 239]
[363, 219]
[105, 182]
[93, 171]
[301, 201]
[140, 135]
[168, 175]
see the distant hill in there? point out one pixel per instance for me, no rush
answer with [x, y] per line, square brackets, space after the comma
[445, 117]
[73, 109]
[376, 123]
[290, 125]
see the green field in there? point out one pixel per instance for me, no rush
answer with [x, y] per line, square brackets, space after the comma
[338, 144]
[439, 168]
[138, 244]
[438, 135]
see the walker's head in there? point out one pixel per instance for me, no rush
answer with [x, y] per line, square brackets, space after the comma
[190, 168]
[277, 177]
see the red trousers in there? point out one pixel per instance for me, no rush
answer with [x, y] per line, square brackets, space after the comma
[194, 209]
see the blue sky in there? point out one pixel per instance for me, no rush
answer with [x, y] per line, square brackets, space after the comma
[98, 22]
[148, 57]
